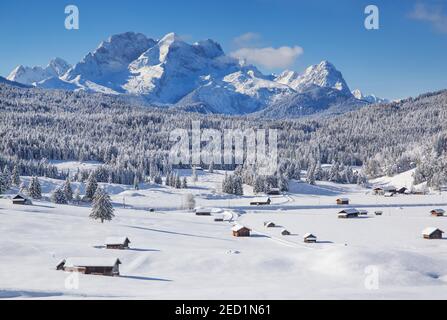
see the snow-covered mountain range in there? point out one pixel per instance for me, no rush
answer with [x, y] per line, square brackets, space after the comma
[195, 77]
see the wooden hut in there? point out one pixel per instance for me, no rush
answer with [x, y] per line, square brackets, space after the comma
[378, 213]
[202, 212]
[261, 201]
[240, 231]
[95, 266]
[274, 192]
[378, 191]
[437, 212]
[269, 224]
[402, 190]
[432, 233]
[342, 201]
[119, 243]
[363, 212]
[21, 200]
[285, 232]
[310, 238]
[348, 213]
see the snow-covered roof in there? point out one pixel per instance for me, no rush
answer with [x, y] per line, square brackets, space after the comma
[438, 210]
[430, 230]
[261, 199]
[116, 240]
[19, 196]
[342, 199]
[309, 236]
[238, 228]
[91, 262]
[269, 223]
[201, 209]
[349, 211]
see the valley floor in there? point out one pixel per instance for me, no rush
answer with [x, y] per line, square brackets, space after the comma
[177, 255]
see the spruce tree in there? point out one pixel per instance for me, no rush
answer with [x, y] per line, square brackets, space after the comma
[102, 206]
[91, 187]
[15, 177]
[34, 188]
[68, 191]
[58, 196]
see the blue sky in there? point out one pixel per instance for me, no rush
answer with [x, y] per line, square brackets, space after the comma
[405, 57]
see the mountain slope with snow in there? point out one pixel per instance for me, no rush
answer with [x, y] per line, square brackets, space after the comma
[198, 77]
[31, 75]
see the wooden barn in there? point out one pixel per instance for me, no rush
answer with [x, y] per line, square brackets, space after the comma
[363, 212]
[119, 243]
[274, 192]
[203, 212]
[385, 190]
[261, 201]
[95, 266]
[378, 213]
[437, 212]
[432, 233]
[342, 201]
[285, 232]
[378, 191]
[348, 213]
[240, 231]
[269, 224]
[21, 200]
[310, 238]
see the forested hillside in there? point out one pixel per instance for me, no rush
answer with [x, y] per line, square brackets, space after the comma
[38, 125]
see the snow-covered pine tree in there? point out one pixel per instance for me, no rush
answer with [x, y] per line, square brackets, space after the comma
[189, 202]
[68, 191]
[237, 186]
[15, 177]
[34, 188]
[283, 183]
[102, 206]
[77, 196]
[3, 187]
[7, 177]
[58, 196]
[136, 183]
[178, 182]
[91, 187]
[194, 174]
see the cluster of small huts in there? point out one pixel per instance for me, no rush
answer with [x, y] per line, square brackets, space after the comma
[390, 191]
[97, 265]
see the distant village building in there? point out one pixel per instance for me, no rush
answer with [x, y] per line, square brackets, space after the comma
[363, 212]
[285, 232]
[348, 213]
[384, 190]
[342, 201]
[261, 201]
[432, 233]
[437, 212]
[269, 224]
[310, 238]
[218, 218]
[240, 231]
[378, 213]
[202, 212]
[95, 266]
[119, 243]
[274, 192]
[21, 200]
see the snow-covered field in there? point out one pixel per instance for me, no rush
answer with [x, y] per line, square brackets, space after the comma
[177, 255]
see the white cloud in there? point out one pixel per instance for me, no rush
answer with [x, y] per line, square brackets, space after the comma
[248, 39]
[431, 14]
[270, 58]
